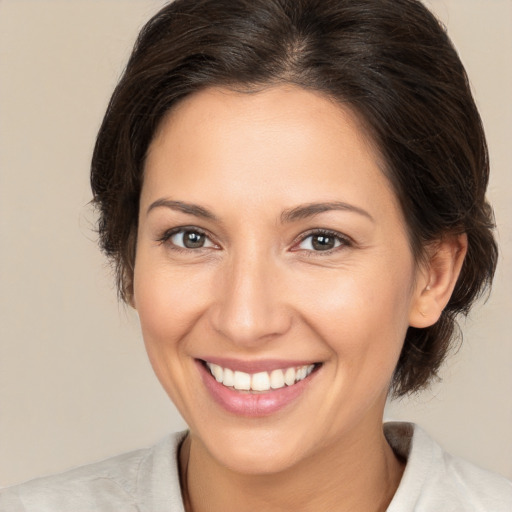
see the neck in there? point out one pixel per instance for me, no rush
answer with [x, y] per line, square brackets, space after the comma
[357, 473]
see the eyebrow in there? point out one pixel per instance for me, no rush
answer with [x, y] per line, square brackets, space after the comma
[290, 215]
[189, 208]
[312, 209]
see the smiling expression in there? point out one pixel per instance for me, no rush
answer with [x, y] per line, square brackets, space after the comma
[273, 276]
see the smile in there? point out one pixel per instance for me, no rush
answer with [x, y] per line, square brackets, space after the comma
[261, 381]
[256, 388]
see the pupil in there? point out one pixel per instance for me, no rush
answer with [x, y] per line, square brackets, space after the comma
[192, 240]
[323, 242]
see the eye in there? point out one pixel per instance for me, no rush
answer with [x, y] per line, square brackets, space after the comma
[187, 238]
[322, 241]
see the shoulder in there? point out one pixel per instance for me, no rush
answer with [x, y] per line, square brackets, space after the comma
[134, 481]
[435, 480]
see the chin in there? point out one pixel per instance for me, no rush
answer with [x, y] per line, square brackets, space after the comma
[258, 458]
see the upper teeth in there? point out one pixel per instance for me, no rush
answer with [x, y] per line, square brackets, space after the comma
[262, 381]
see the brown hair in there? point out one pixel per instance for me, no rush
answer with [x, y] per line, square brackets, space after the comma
[391, 61]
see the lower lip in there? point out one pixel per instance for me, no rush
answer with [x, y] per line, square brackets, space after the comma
[249, 404]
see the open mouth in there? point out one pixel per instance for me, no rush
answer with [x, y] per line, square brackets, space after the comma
[260, 381]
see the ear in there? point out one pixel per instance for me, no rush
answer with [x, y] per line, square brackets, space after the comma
[436, 280]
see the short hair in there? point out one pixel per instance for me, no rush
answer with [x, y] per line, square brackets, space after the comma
[390, 61]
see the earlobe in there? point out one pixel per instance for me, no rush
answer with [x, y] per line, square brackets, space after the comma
[437, 279]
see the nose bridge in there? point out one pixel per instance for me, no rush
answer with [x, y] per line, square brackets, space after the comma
[249, 307]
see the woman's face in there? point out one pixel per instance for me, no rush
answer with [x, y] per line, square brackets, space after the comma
[272, 251]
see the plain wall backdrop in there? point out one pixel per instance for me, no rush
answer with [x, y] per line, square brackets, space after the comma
[75, 384]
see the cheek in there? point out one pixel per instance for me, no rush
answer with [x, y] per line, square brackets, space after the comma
[168, 302]
[362, 316]
[364, 326]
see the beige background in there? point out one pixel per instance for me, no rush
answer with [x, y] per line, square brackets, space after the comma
[75, 385]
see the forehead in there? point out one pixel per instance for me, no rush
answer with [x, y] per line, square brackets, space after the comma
[272, 111]
[282, 143]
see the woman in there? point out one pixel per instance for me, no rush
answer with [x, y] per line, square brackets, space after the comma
[293, 195]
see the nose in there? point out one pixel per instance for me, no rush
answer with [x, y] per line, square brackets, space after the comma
[250, 306]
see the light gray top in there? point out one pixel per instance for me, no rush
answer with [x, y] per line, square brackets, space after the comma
[147, 481]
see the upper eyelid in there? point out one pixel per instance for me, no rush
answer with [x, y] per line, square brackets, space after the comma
[168, 233]
[320, 231]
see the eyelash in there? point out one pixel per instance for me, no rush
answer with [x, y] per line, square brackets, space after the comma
[343, 240]
[167, 235]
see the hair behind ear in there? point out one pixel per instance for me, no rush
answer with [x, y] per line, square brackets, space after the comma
[426, 348]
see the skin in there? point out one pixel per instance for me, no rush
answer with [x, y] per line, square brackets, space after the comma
[259, 290]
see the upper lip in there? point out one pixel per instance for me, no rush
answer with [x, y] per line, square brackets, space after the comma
[260, 365]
